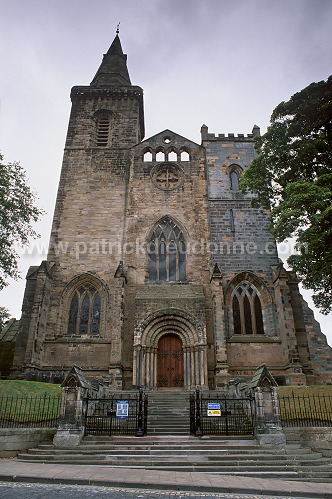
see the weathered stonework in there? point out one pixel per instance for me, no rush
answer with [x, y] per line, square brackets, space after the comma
[117, 193]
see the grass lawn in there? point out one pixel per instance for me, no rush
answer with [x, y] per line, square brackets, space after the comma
[286, 391]
[306, 405]
[27, 388]
[28, 401]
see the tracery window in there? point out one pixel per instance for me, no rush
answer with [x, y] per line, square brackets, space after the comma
[84, 312]
[167, 252]
[247, 310]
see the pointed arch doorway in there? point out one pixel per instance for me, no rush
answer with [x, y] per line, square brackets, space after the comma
[170, 366]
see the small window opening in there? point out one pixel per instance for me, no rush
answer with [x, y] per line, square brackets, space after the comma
[234, 180]
[160, 156]
[232, 221]
[185, 156]
[147, 156]
[172, 156]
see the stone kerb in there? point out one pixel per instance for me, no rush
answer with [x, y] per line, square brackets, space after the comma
[268, 429]
[75, 389]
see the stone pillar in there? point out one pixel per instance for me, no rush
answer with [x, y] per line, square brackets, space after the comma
[284, 303]
[75, 389]
[115, 366]
[268, 428]
[32, 326]
[221, 369]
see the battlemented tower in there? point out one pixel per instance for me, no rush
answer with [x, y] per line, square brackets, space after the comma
[159, 273]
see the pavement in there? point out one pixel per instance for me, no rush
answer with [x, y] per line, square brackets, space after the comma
[81, 474]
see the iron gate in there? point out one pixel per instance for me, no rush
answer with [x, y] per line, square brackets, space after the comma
[117, 414]
[219, 414]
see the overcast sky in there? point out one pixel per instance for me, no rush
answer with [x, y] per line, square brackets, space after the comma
[220, 62]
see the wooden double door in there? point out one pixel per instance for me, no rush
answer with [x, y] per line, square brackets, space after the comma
[170, 361]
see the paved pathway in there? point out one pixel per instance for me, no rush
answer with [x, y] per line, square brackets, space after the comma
[21, 490]
[13, 470]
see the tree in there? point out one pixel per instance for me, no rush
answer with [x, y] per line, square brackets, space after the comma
[4, 317]
[292, 177]
[17, 212]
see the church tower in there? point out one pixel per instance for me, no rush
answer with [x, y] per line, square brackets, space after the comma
[159, 273]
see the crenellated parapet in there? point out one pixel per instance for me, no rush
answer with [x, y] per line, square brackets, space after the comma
[240, 137]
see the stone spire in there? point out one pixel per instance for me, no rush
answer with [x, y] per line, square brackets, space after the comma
[113, 69]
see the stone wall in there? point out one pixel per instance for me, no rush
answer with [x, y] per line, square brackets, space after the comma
[15, 440]
[319, 439]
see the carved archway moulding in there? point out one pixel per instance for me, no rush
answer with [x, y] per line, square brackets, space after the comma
[191, 331]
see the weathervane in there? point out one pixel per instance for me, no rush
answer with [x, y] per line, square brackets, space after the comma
[118, 28]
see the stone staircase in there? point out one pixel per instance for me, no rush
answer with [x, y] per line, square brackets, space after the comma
[169, 446]
[168, 413]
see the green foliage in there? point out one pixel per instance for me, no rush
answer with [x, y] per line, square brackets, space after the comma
[16, 215]
[292, 176]
[4, 316]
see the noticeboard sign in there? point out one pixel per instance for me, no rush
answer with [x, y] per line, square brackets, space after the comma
[214, 410]
[122, 408]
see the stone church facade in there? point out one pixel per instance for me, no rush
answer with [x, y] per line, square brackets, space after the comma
[159, 273]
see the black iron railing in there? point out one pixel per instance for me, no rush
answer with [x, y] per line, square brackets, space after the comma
[220, 414]
[29, 412]
[305, 410]
[117, 414]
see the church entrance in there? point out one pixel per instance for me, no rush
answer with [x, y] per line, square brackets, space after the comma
[170, 361]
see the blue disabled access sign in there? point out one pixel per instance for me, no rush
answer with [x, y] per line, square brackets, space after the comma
[213, 410]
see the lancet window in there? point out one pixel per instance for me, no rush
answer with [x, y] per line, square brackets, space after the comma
[234, 177]
[247, 310]
[84, 312]
[167, 252]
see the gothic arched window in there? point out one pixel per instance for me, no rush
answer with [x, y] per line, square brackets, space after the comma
[247, 310]
[84, 312]
[167, 252]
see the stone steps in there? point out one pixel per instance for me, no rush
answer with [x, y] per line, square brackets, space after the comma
[232, 457]
[168, 413]
[168, 446]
